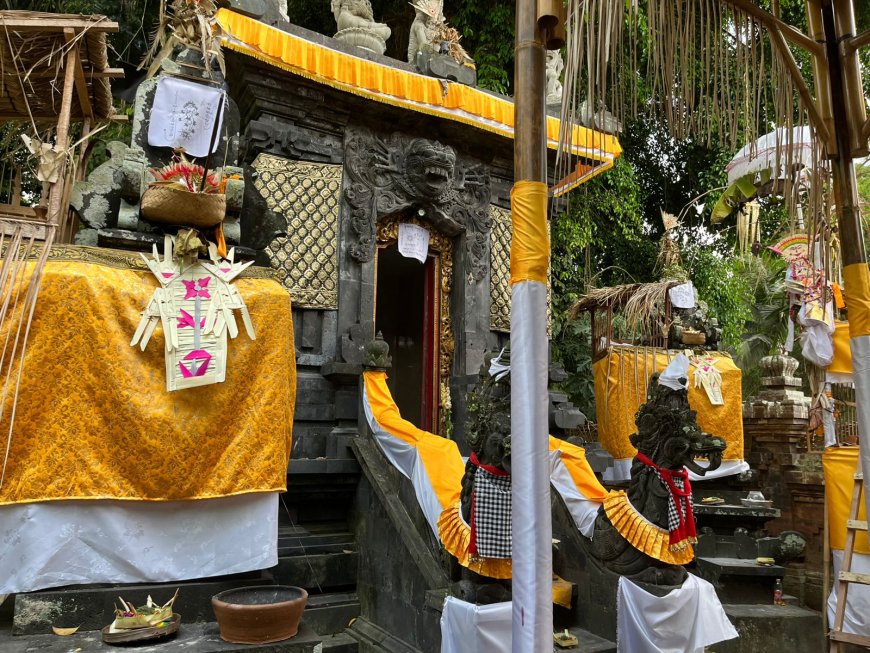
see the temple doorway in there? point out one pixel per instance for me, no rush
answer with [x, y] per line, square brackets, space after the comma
[406, 313]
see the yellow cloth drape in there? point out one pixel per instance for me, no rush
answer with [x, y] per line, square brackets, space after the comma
[530, 245]
[621, 378]
[440, 456]
[574, 459]
[94, 419]
[856, 278]
[394, 86]
[842, 363]
[840, 465]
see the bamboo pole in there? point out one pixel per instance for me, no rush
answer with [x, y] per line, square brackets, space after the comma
[532, 628]
[844, 20]
[836, 16]
[56, 193]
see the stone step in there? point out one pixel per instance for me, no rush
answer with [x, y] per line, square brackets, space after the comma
[340, 643]
[331, 613]
[318, 572]
[93, 606]
[194, 637]
[327, 538]
[739, 581]
[773, 628]
[315, 466]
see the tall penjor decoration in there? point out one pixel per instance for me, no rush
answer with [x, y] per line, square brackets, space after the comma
[194, 303]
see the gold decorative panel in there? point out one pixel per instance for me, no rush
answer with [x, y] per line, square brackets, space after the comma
[500, 272]
[308, 196]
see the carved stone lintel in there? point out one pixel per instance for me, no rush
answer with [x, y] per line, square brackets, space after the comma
[388, 174]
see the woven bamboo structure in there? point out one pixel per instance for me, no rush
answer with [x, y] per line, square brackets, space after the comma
[645, 308]
[53, 71]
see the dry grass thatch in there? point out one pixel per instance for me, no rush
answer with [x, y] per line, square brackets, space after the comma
[642, 305]
[33, 49]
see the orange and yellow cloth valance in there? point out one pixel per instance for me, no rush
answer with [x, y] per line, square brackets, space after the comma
[94, 419]
[397, 87]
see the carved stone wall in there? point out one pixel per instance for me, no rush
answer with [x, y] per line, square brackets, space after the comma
[394, 172]
[308, 195]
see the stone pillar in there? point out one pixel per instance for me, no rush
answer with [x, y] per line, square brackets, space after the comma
[775, 427]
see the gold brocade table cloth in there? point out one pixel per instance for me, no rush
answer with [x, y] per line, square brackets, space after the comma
[621, 379]
[94, 419]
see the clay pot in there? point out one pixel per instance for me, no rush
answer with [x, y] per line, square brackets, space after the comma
[259, 615]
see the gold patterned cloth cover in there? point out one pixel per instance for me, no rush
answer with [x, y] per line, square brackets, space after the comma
[621, 379]
[94, 419]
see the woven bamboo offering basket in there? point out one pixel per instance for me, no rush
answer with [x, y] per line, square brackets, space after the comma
[170, 204]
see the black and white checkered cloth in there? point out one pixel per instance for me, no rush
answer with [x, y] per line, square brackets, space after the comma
[674, 512]
[492, 514]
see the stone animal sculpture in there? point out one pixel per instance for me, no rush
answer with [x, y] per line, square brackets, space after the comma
[647, 533]
[357, 14]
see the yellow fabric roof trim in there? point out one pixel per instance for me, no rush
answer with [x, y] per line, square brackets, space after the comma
[394, 86]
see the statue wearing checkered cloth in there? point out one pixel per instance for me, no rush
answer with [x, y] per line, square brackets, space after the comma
[648, 532]
[477, 531]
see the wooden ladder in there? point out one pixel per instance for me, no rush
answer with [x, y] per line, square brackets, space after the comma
[838, 638]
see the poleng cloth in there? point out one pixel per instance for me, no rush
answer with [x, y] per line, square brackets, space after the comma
[490, 512]
[681, 520]
[94, 420]
[621, 379]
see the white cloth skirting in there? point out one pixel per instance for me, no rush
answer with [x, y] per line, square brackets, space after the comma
[685, 620]
[470, 628]
[76, 542]
[621, 470]
[857, 616]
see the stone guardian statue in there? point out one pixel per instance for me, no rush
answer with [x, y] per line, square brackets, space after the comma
[433, 46]
[357, 26]
[554, 71]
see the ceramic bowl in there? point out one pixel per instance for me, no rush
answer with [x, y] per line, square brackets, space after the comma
[259, 615]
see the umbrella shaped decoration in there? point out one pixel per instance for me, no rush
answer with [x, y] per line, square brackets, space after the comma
[758, 167]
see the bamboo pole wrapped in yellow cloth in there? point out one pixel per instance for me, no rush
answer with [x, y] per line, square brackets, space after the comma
[621, 379]
[94, 419]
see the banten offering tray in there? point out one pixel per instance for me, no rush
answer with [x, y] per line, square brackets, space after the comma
[113, 635]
